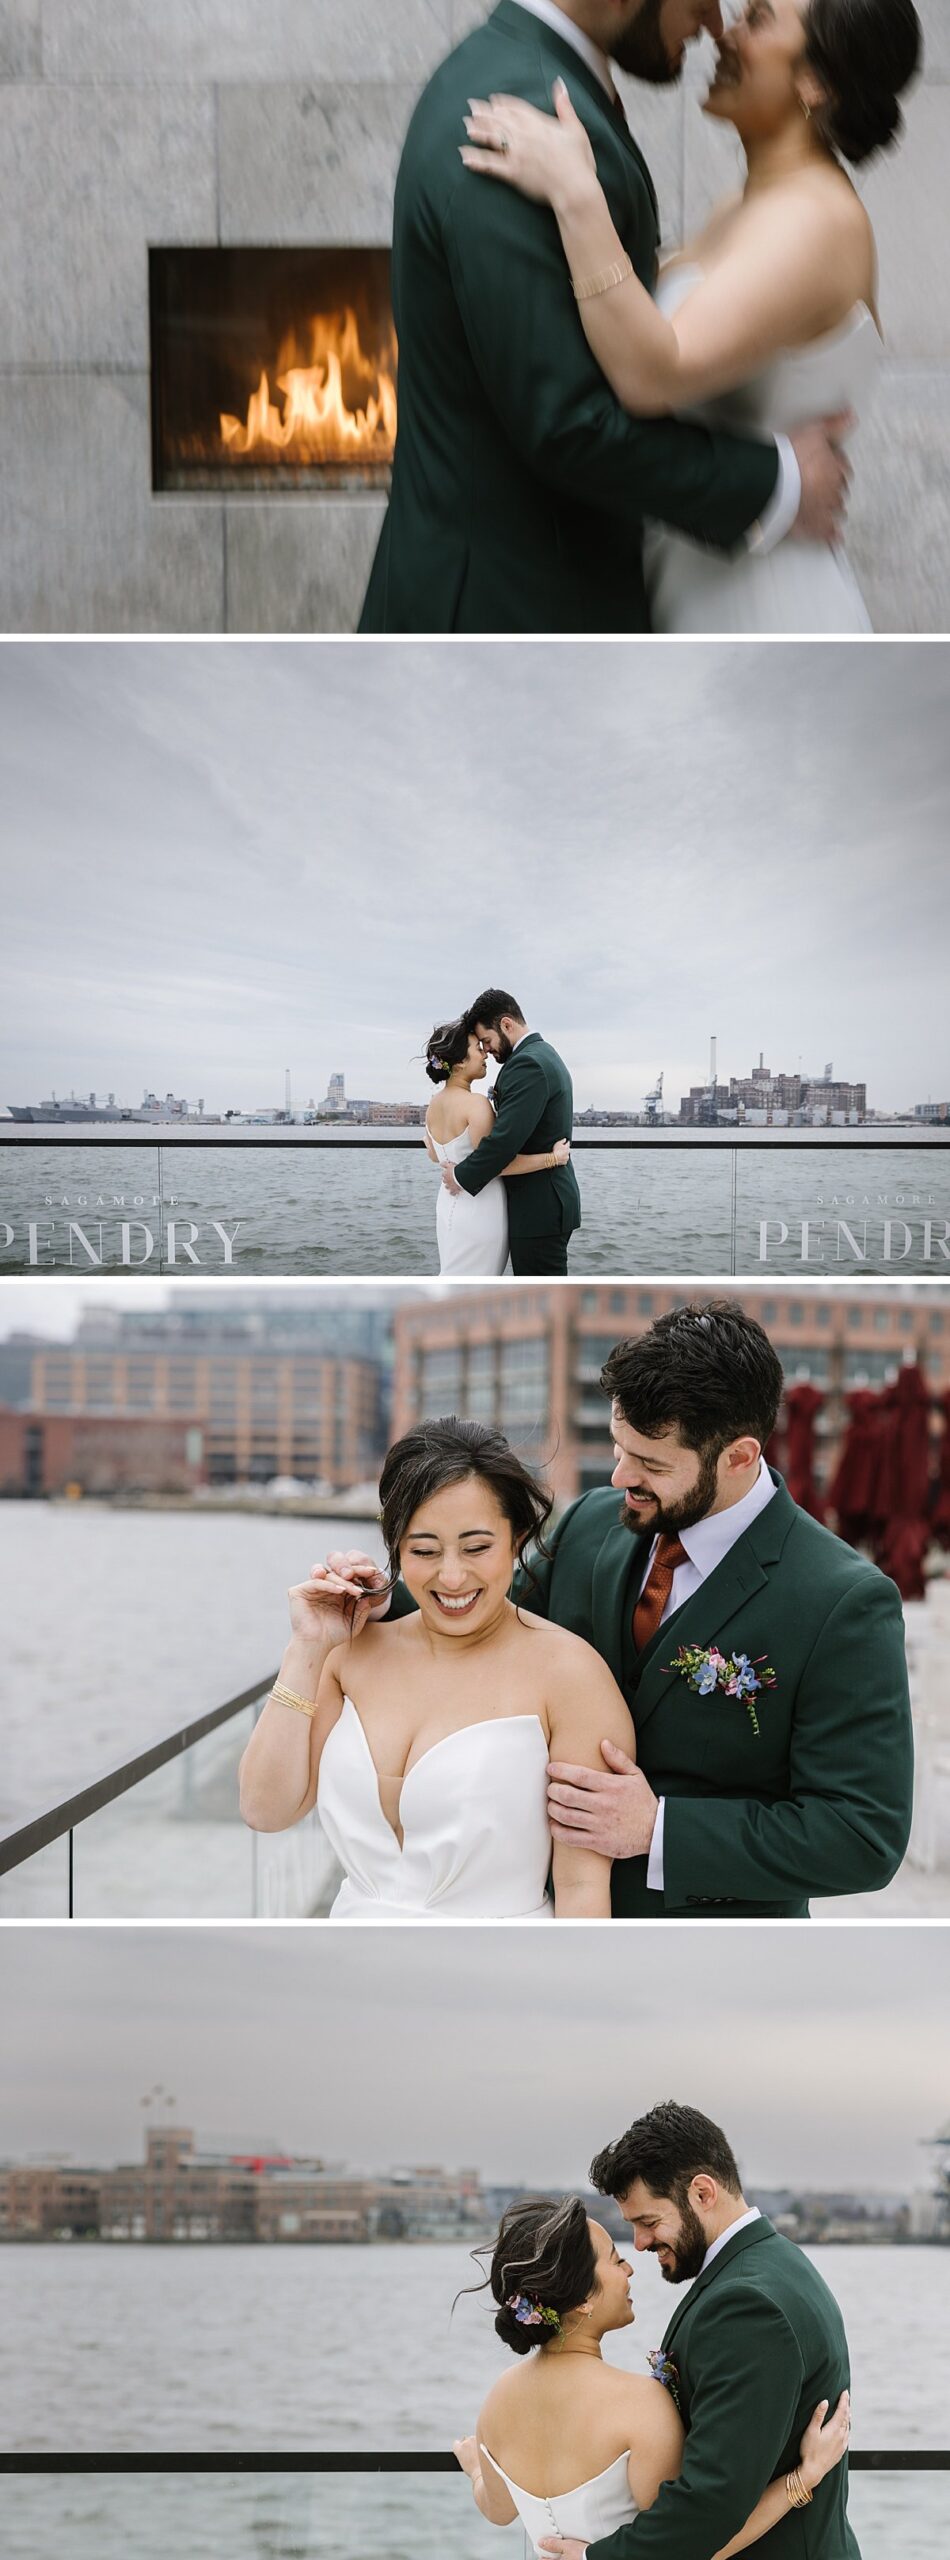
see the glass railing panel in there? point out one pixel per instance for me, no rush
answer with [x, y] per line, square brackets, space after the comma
[847, 1212]
[260, 2516]
[80, 1208]
[38, 1889]
[297, 1209]
[372, 2516]
[174, 1846]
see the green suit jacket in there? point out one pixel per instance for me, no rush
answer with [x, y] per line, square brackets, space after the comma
[534, 1105]
[758, 2341]
[820, 1800]
[520, 485]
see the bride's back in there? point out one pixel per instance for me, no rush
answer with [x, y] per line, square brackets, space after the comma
[555, 2424]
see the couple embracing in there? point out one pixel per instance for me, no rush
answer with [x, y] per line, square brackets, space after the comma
[509, 1198]
[588, 442]
[741, 2434]
[685, 1697]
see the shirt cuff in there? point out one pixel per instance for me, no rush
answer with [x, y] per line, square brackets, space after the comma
[655, 1866]
[777, 519]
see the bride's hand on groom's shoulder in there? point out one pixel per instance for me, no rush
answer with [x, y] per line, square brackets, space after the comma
[825, 2441]
[339, 1599]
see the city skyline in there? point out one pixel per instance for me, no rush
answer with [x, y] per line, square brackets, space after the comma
[543, 2054]
[291, 858]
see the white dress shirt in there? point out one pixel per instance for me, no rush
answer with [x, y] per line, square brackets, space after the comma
[777, 519]
[706, 1543]
[741, 2224]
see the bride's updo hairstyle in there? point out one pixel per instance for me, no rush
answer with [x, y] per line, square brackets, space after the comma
[865, 52]
[436, 1454]
[543, 2263]
[446, 1047]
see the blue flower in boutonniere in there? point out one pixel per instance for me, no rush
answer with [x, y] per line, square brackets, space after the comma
[706, 1669]
[664, 2370]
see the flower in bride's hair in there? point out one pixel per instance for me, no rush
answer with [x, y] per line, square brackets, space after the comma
[530, 2314]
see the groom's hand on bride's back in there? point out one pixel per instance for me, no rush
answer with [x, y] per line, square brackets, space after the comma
[826, 478]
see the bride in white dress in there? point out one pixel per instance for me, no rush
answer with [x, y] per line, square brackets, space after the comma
[424, 1744]
[569, 2444]
[767, 320]
[471, 1229]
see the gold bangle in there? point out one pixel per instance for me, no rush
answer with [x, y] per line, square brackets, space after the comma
[796, 2492]
[606, 282]
[288, 1698]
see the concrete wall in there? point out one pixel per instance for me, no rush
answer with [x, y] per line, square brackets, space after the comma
[125, 122]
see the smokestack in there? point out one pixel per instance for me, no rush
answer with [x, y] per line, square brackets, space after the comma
[287, 1091]
[712, 1059]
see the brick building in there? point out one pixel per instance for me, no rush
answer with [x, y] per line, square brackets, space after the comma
[180, 2192]
[530, 1358]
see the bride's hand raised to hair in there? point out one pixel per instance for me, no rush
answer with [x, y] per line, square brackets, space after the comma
[549, 158]
[825, 2441]
[339, 1599]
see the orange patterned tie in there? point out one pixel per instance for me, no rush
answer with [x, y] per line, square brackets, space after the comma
[656, 1590]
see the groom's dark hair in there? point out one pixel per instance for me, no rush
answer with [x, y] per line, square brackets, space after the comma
[667, 2149]
[709, 1371]
[491, 1007]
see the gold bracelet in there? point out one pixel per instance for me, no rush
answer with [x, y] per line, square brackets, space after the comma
[796, 2492]
[288, 1698]
[606, 282]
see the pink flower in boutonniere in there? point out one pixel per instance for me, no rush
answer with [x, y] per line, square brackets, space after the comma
[706, 1669]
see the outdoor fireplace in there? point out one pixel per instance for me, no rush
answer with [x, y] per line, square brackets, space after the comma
[272, 369]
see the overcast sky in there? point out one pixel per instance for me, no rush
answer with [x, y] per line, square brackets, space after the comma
[229, 858]
[824, 2051]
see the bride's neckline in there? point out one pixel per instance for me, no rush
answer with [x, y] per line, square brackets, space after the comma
[478, 1725]
[539, 2495]
[859, 311]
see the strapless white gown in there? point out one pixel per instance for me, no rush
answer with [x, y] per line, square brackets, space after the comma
[474, 1817]
[472, 1234]
[587, 2514]
[800, 586]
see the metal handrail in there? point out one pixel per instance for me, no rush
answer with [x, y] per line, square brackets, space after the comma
[59, 1819]
[122, 1133]
[410, 2460]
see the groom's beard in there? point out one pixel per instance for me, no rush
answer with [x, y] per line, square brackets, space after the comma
[689, 2250]
[642, 52]
[505, 1048]
[666, 1520]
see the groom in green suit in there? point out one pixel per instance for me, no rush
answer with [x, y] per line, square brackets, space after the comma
[534, 1106]
[520, 486]
[761, 1658]
[758, 2343]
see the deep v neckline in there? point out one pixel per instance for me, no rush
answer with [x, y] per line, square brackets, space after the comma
[479, 1726]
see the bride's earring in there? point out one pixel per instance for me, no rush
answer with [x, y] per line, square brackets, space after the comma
[806, 110]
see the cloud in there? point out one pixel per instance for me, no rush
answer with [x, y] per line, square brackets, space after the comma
[234, 857]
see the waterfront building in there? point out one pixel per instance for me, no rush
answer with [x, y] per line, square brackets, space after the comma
[184, 2191]
[232, 1398]
[529, 1359]
[763, 1097]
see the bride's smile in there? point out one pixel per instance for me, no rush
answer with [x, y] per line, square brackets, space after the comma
[458, 1560]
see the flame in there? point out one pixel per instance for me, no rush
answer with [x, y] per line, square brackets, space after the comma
[338, 407]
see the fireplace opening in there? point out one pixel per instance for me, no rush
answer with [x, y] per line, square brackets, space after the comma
[272, 369]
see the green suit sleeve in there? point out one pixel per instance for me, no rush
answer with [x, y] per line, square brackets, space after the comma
[742, 2415]
[514, 294]
[844, 1824]
[519, 1111]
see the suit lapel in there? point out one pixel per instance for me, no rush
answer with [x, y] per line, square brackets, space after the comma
[519, 22]
[750, 2238]
[744, 1571]
[617, 1575]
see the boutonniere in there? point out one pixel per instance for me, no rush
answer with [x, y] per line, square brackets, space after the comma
[706, 1669]
[664, 2370]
